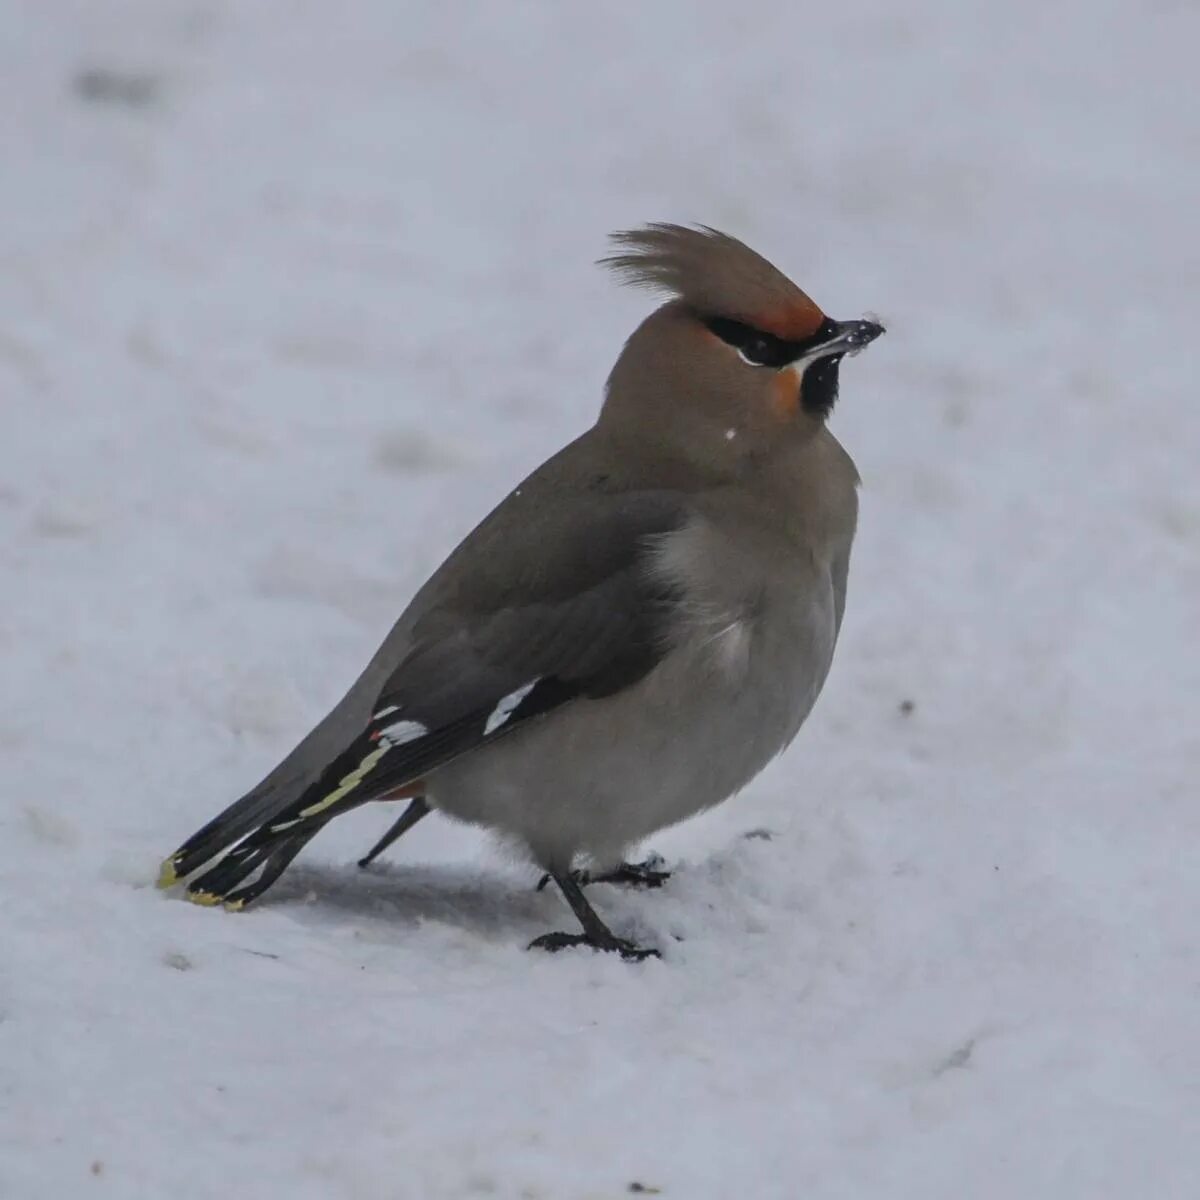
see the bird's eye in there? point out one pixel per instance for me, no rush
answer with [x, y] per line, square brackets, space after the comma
[757, 351]
[754, 346]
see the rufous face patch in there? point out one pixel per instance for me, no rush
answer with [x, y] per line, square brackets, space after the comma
[794, 322]
[785, 393]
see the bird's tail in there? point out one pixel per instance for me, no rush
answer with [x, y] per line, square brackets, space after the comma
[241, 872]
[243, 850]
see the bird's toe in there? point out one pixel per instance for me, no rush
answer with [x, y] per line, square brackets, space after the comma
[630, 951]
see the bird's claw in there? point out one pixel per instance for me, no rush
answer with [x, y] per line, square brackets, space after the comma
[647, 874]
[554, 942]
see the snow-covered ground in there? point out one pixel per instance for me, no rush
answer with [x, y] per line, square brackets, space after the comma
[290, 293]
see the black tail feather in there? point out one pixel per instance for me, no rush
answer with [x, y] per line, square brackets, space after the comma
[265, 829]
[276, 863]
[241, 852]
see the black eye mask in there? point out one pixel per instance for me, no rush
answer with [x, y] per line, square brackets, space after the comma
[764, 349]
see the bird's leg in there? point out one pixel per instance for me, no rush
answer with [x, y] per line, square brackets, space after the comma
[647, 874]
[417, 808]
[595, 933]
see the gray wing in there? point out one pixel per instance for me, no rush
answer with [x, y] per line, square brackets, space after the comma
[543, 604]
[557, 622]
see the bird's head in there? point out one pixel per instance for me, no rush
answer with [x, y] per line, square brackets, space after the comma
[738, 354]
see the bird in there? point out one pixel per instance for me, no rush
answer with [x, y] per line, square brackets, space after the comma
[632, 634]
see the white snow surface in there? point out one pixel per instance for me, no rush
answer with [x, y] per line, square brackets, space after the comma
[292, 293]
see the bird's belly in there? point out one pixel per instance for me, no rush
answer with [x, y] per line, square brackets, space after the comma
[598, 775]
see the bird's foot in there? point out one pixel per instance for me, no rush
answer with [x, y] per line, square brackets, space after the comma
[646, 874]
[553, 942]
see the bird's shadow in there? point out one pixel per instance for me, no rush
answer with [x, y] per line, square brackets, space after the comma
[490, 905]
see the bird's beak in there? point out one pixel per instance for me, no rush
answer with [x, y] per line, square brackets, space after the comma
[848, 337]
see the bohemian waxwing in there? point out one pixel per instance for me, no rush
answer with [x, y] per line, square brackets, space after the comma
[632, 634]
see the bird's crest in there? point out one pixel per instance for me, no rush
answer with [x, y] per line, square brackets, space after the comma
[716, 275]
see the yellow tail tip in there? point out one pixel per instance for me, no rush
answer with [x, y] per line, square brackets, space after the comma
[166, 874]
[204, 899]
[234, 905]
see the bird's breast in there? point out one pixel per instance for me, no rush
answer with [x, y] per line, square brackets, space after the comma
[750, 640]
[753, 637]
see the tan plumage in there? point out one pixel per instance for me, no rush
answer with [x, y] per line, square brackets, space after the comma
[716, 274]
[633, 632]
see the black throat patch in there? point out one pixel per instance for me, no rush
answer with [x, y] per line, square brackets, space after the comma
[819, 386]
